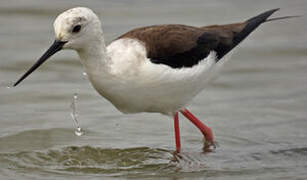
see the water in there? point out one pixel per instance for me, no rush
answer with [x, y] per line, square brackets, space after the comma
[256, 108]
[74, 115]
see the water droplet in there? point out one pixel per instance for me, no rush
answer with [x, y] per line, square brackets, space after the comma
[79, 131]
[6, 84]
[74, 115]
[75, 97]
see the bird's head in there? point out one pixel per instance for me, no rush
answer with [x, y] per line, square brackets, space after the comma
[77, 27]
[74, 29]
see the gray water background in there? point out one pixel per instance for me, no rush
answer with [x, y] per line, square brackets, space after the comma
[257, 107]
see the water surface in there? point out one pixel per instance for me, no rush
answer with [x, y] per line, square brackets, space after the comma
[257, 107]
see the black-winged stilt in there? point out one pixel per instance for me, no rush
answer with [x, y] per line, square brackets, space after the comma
[158, 68]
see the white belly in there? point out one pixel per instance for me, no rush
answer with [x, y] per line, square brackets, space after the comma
[133, 84]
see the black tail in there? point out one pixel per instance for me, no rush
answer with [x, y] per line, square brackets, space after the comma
[251, 25]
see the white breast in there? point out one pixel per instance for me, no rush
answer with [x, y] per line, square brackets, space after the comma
[134, 84]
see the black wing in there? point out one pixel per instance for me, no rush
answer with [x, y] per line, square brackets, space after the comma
[185, 46]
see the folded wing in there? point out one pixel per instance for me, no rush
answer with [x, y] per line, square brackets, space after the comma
[185, 46]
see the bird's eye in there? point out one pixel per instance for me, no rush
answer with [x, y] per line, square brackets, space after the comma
[76, 29]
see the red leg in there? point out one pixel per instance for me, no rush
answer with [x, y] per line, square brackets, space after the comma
[177, 132]
[207, 132]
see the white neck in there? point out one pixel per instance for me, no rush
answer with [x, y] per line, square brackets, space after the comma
[94, 56]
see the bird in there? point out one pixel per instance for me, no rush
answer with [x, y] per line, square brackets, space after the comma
[154, 69]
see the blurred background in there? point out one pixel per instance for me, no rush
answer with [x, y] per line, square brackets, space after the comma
[257, 107]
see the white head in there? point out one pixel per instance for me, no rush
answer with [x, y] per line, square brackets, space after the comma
[77, 28]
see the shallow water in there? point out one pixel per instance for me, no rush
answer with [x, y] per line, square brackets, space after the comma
[257, 107]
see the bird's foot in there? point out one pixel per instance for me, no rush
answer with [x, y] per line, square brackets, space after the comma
[176, 156]
[209, 146]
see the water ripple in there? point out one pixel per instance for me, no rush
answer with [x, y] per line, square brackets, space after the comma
[91, 160]
[145, 161]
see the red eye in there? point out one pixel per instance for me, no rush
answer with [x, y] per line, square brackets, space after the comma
[76, 29]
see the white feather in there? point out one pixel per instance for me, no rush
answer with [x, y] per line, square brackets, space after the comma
[134, 84]
[124, 75]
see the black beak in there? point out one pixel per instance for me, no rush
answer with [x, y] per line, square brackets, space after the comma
[55, 47]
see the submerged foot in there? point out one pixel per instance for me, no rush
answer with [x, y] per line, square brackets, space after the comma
[209, 146]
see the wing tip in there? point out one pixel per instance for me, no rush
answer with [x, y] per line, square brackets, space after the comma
[251, 25]
[263, 16]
